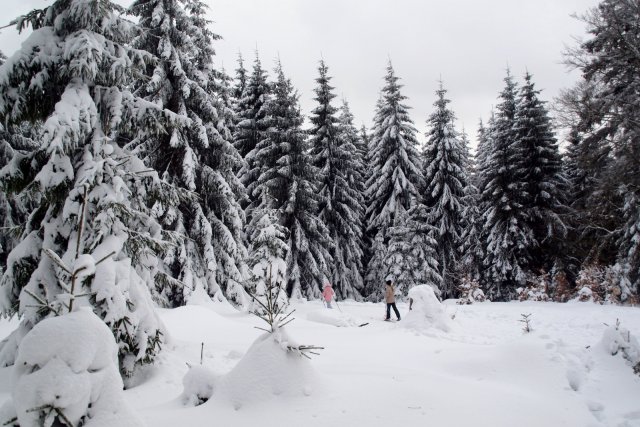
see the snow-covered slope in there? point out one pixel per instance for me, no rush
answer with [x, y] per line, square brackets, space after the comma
[484, 371]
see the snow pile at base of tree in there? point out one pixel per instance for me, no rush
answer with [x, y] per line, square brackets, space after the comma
[334, 317]
[199, 384]
[67, 367]
[267, 370]
[427, 311]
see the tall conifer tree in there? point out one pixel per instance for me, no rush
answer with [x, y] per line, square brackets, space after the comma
[395, 177]
[194, 152]
[287, 181]
[508, 238]
[334, 154]
[446, 179]
[90, 196]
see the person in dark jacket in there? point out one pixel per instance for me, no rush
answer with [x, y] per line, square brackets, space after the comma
[390, 298]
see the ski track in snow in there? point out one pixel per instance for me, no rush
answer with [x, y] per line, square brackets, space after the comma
[485, 371]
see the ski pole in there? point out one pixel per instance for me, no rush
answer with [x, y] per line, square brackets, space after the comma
[336, 301]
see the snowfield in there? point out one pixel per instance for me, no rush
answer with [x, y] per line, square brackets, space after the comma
[483, 371]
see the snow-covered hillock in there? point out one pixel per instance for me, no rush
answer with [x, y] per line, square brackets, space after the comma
[269, 368]
[427, 312]
[66, 373]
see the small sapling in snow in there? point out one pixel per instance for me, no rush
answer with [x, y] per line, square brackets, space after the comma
[274, 312]
[526, 319]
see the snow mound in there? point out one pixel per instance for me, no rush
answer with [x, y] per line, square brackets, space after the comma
[334, 318]
[67, 366]
[199, 383]
[427, 312]
[268, 369]
[616, 339]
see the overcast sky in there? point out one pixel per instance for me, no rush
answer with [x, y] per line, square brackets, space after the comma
[467, 43]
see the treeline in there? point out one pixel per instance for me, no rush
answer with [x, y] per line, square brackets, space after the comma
[123, 141]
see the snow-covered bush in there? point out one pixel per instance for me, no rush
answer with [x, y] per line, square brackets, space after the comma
[589, 284]
[470, 291]
[426, 311]
[617, 286]
[66, 374]
[617, 339]
[267, 261]
[199, 385]
[560, 285]
[536, 289]
[608, 285]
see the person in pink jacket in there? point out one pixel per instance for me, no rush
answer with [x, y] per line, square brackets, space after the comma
[328, 294]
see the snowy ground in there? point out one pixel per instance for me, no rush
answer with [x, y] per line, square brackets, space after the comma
[483, 372]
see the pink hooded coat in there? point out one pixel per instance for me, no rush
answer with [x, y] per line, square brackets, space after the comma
[328, 293]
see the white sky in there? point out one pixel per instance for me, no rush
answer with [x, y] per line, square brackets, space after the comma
[467, 43]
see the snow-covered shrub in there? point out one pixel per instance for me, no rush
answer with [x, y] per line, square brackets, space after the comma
[470, 291]
[617, 339]
[617, 286]
[589, 284]
[199, 385]
[560, 285]
[66, 374]
[267, 261]
[274, 364]
[536, 289]
[426, 310]
[609, 285]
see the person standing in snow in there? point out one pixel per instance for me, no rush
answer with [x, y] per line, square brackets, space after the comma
[328, 294]
[390, 298]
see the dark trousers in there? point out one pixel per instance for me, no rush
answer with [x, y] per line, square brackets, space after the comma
[395, 309]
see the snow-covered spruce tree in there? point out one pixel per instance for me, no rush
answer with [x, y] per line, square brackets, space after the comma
[240, 82]
[609, 60]
[411, 258]
[252, 123]
[341, 208]
[508, 235]
[471, 247]
[287, 181]
[593, 182]
[395, 175]
[445, 176]
[357, 177]
[72, 73]
[193, 152]
[538, 172]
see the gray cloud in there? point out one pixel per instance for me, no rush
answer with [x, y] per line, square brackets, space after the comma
[467, 43]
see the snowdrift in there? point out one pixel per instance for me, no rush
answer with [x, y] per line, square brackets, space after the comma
[427, 312]
[333, 317]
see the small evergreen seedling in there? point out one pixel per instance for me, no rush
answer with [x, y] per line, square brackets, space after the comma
[274, 313]
[526, 319]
